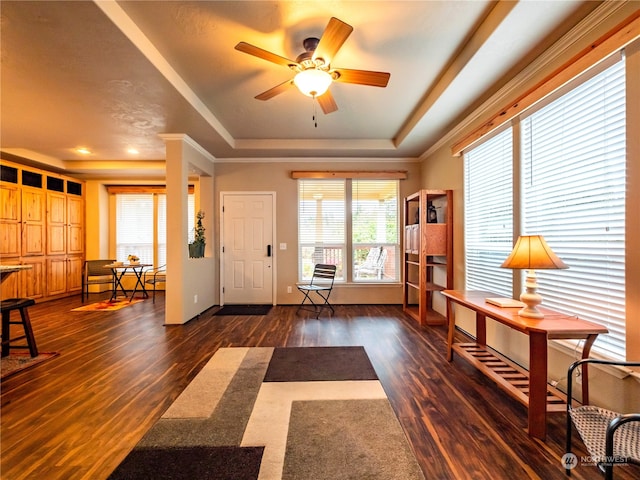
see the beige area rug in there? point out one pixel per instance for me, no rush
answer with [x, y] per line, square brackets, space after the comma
[108, 305]
[278, 413]
[14, 363]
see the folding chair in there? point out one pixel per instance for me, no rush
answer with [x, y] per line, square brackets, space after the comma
[321, 284]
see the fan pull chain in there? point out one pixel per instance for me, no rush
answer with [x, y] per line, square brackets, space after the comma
[315, 116]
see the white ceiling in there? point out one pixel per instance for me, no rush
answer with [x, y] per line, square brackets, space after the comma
[112, 75]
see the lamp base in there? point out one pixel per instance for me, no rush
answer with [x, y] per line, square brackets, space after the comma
[530, 312]
[531, 298]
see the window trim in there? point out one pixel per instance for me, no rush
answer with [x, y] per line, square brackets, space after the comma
[608, 44]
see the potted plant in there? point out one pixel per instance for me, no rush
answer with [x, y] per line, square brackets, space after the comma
[196, 249]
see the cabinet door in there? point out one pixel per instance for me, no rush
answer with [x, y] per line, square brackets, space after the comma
[9, 220]
[33, 221]
[74, 273]
[56, 223]
[33, 280]
[10, 281]
[75, 225]
[56, 275]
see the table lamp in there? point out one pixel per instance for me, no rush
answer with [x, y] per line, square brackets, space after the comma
[532, 252]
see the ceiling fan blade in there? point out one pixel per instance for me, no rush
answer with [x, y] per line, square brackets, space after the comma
[264, 54]
[362, 77]
[277, 90]
[327, 102]
[332, 39]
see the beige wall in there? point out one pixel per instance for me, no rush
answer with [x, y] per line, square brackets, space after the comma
[276, 177]
[97, 220]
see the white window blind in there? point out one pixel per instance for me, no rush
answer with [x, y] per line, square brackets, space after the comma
[374, 230]
[488, 214]
[321, 225]
[134, 226]
[574, 195]
[162, 230]
[135, 232]
[191, 217]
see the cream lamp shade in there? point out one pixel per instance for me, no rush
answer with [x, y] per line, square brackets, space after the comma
[532, 252]
[312, 82]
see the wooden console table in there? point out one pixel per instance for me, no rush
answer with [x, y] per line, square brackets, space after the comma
[528, 387]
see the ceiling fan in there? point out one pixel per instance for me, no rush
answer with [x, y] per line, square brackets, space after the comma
[314, 73]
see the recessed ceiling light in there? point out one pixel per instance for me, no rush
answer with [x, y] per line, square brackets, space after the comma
[133, 151]
[83, 151]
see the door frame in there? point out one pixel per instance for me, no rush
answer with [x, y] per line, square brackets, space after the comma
[274, 268]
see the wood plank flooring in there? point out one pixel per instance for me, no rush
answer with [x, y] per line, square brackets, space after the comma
[78, 415]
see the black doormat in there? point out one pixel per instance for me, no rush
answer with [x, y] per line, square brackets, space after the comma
[244, 310]
[313, 364]
[188, 463]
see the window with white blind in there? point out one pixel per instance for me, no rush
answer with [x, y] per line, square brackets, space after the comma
[488, 212]
[573, 191]
[321, 225]
[161, 227]
[141, 226]
[350, 223]
[374, 230]
[134, 227]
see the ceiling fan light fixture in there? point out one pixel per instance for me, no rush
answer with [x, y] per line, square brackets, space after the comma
[312, 82]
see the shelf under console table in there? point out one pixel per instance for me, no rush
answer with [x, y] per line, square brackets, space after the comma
[529, 387]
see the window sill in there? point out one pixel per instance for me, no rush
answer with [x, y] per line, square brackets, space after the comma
[575, 351]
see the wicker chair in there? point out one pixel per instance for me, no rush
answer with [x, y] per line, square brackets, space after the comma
[610, 437]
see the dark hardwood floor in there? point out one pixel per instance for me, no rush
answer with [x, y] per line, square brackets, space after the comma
[78, 415]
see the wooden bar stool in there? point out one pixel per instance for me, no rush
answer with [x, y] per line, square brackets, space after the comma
[6, 307]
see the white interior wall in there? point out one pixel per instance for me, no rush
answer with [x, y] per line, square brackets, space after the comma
[190, 287]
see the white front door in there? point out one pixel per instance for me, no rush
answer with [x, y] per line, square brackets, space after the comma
[247, 248]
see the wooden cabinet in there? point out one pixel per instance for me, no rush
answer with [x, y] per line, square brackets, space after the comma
[10, 283]
[41, 224]
[75, 225]
[33, 221]
[74, 273]
[56, 275]
[10, 243]
[33, 281]
[428, 252]
[64, 274]
[56, 223]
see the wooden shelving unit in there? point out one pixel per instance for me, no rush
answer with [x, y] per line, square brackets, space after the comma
[428, 252]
